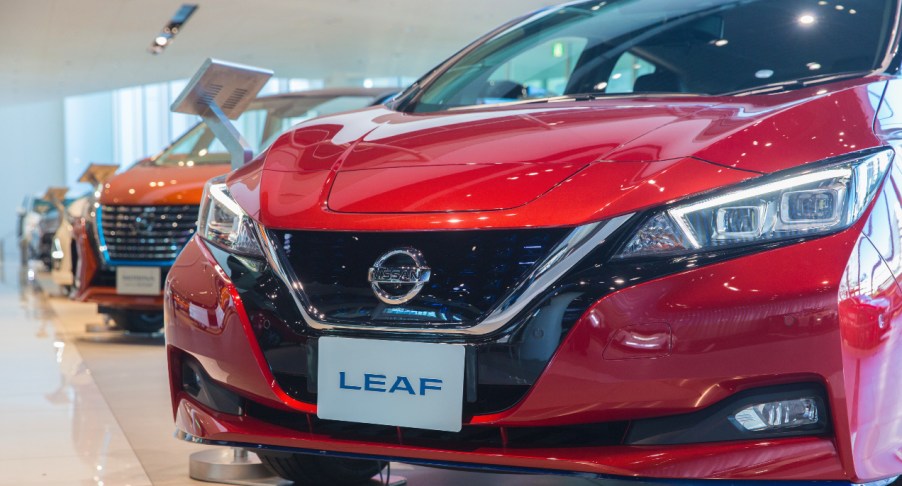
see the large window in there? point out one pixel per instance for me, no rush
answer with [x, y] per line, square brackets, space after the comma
[621, 47]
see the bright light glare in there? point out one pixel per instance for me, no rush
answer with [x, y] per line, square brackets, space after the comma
[806, 19]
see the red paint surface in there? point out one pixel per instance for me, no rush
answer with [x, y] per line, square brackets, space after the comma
[599, 191]
[825, 311]
[760, 329]
[810, 458]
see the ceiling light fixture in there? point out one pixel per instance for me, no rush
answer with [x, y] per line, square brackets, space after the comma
[165, 37]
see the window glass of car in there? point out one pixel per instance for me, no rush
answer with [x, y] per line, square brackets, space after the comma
[627, 70]
[323, 106]
[618, 47]
[259, 127]
[251, 125]
[540, 71]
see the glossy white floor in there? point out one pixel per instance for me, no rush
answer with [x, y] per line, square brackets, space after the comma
[92, 408]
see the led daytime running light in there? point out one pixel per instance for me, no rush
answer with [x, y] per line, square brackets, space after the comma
[679, 213]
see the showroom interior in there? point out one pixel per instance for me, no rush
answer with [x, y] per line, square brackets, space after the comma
[506, 242]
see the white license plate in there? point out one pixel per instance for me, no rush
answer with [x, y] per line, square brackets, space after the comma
[403, 384]
[138, 280]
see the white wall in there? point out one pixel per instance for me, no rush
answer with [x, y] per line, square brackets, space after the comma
[31, 144]
[88, 133]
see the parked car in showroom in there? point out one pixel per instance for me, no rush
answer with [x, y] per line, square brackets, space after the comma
[64, 254]
[42, 223]
[144, 216]
[29, 216]
[616, 239]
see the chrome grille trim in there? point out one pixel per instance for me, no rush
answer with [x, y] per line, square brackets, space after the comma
[145, 234]
[569, 252]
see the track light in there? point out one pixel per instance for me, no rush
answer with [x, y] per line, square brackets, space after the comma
[165, 37]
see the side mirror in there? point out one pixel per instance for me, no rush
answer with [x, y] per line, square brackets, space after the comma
[219, 92]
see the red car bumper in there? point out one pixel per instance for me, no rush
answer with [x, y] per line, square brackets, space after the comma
[723, 330]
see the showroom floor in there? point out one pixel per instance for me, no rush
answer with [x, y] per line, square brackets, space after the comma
[88, 407]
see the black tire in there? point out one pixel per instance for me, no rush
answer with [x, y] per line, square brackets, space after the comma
[138, 321]
[310, 470]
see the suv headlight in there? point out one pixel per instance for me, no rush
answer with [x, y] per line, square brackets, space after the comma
[223, 223]
[815, 202]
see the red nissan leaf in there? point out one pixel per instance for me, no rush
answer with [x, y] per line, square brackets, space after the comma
[618, 239]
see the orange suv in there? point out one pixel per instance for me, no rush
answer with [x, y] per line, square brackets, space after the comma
[143, 217]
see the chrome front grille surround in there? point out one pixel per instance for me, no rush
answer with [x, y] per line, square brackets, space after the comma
[564, 256]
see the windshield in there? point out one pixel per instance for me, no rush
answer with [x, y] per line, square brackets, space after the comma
[626, 47]
[260, 125]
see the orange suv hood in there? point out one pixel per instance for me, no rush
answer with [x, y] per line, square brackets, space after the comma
[151, 185]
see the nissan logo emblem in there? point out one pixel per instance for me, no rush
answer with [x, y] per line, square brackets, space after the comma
[399, 275]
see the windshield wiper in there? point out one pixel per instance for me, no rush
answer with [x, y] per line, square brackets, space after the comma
[798, 83]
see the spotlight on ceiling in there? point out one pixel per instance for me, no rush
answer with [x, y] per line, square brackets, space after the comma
[165, 37]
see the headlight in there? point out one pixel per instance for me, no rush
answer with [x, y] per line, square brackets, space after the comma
[811, 203]
[223, 223]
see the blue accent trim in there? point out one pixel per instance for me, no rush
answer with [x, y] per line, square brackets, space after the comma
[122, 263]
[611, 480]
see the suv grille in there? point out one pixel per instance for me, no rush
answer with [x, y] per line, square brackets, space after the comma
[147, 233]
[470, 271]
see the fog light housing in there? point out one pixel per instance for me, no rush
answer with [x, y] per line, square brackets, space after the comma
[198, 384]
[780, 415]
[773, 412]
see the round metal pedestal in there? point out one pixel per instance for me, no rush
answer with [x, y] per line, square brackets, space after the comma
[227, 465]
[238, 466]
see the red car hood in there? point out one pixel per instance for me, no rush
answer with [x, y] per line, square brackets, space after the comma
[592, 159]
[150, 185]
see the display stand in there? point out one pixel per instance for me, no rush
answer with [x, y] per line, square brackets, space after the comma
[229, 466]
[97, 174]
[219, 92]
[106, 326]
[57, 196]
[243, 468]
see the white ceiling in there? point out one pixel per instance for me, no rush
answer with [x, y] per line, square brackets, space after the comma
[50, 49]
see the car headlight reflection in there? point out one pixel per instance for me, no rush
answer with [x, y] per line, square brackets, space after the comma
[223, 223]
[817, 202]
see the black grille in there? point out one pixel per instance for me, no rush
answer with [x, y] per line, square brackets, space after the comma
[147, 233]
[471, 271]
